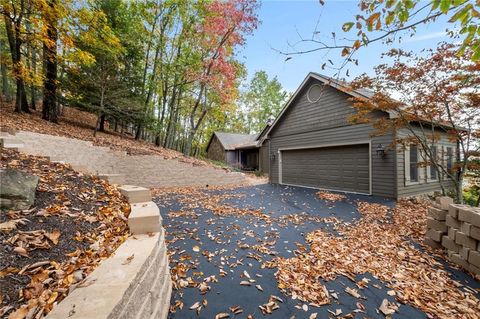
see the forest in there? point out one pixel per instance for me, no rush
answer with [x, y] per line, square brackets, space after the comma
[163, 71]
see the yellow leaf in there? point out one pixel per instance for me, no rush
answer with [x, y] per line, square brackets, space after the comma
[52, 298]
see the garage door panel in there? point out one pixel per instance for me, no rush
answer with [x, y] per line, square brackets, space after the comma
[341, 168]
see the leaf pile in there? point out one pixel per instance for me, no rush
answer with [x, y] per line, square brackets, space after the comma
[377, 244]
[330, 197]
[47, 251]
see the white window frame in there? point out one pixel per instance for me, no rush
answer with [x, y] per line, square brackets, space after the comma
[430, 167]
[406, 153]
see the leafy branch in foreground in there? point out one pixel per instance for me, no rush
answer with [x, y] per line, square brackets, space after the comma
[381, 20]
[437, 92]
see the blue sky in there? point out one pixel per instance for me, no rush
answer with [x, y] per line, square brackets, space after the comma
[283, 22]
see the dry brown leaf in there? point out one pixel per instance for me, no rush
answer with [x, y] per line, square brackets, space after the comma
[128, 260]
[387, 308]
[352, 292]
[20, 313]
[53, 236]
[10, 225]
[222, 315]
[21, 251]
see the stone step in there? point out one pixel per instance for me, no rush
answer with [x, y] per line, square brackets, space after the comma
[135, 194]
[144, 218]
[11, 142]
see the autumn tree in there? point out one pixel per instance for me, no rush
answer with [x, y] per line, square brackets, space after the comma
[223, 28]
[14, 14]
[438, 92]
[105, 85]
[263, 99]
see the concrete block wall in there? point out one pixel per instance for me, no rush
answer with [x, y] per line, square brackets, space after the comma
[455, 228]
[135, 282]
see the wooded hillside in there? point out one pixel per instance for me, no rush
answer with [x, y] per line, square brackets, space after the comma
[162, 71]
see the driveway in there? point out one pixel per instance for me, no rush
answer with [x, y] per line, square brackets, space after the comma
[219, 242]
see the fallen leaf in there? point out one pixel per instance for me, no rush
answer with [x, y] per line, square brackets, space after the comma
[222, 315]
[53, 297]
[352, 292]
[387, 308]
[53, 236]
[20, 313]
[195, 305]
[21, 251]
[196, 249]
[128, 260]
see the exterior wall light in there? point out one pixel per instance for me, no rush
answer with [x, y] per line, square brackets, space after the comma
[380, 150]
[272, 157]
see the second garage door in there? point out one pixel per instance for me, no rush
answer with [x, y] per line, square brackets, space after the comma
[343, 168]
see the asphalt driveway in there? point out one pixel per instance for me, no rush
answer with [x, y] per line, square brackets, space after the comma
[223, 250]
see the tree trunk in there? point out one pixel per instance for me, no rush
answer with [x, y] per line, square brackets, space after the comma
[13, 31]
[101, 126]
[3, 70]
[50, 112]
[138, 131]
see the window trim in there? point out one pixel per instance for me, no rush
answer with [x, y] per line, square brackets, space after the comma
[430, 167]
[408, 181]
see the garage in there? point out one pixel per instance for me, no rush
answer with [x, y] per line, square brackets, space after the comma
[342, 168]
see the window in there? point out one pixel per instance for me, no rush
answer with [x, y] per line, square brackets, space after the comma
[433, 169]
[413, 163]
[449, 159]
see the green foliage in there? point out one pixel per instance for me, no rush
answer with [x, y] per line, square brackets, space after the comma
[263, 99]
[107, 85]
[471, 195]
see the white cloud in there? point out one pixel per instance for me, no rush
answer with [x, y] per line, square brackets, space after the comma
[427, 36]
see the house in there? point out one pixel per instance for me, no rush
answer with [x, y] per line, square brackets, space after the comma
[313, 144]
[237, 150]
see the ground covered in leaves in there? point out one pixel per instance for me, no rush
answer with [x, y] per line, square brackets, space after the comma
[80, 125]
[47, 251]
[288, 252]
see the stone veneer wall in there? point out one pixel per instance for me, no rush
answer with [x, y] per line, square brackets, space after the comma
[455, 228]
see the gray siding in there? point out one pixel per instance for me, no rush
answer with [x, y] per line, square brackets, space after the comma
[264, 157]
[424, 187]
[326, 122]
[231, 158]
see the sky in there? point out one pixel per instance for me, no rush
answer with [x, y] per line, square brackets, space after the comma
[283, 23]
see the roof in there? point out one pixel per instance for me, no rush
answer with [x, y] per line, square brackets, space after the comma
[231, 141]
[337, 84]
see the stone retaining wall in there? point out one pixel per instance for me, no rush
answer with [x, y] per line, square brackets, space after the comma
[135, 282]
[455, 228]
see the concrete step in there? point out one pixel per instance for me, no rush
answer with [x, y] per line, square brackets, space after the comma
[135, 194]
[144, 218]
